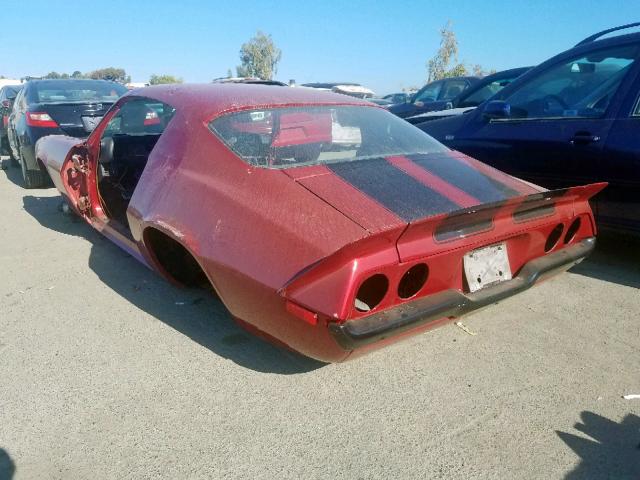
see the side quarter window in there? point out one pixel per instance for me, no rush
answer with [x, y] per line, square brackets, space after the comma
[452, 89]
[429, 94]
[139, 117]
[581, 87]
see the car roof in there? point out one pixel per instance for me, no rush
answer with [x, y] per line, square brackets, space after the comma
[329, 84]
[208, 99]
[37, 81]
[470, 79]
[599, 35]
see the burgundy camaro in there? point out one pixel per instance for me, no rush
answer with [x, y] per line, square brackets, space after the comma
[323, 222]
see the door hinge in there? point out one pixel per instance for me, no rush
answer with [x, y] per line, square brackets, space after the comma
[80, 163]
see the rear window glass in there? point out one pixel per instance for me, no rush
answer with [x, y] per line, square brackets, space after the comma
[291, 137]
[79, 91]
[10, 91]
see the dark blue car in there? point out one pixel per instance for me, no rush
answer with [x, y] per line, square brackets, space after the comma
[433, 96]
[574, 119]
[48, 107]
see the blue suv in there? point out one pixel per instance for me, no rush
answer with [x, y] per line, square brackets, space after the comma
[574, 119]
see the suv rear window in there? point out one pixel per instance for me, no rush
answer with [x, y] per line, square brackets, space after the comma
[291, 137]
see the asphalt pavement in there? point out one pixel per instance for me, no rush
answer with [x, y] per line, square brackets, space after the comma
[108, 371]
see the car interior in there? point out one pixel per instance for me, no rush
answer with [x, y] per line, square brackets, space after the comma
[125, 147]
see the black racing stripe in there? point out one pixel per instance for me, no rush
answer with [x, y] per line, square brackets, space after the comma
[465, 177]
[402, 194]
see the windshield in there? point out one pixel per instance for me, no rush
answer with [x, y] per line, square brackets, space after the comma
[292, 137]
[486, 92]
[78, 91]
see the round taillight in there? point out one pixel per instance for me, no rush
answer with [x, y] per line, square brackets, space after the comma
[413, 280]
[554, 236]
[371, 292]
[572, 230]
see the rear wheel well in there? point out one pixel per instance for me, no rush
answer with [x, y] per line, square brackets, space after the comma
[174, 259]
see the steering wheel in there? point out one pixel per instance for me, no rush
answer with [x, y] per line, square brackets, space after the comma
[548, 100]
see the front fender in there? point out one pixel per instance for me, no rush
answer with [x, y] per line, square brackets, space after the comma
[52, 151]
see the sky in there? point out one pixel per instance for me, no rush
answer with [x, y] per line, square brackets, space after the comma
[382, 44]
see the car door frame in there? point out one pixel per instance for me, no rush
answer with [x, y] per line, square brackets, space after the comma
[84, 161]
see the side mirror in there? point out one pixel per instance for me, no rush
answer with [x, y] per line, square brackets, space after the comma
[419, 104]
[106, 151]
[496, 109]
[448, 106]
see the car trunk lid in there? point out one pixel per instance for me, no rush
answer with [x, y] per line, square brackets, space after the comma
[75, 119]
[386, 193]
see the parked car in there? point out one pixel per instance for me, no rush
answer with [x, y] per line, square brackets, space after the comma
[250, 80]
[473, 96]
[345, 88]
[572, 119]
[8, 94]
[380, 101]
[48, 107]
[433, 96]
[329, 251]
[400, 97]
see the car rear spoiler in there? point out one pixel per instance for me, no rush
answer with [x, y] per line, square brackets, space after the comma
[463, 223]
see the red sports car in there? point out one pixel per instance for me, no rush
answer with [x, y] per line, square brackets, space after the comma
[323, 222]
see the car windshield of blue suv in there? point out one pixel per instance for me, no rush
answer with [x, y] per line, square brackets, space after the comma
[580, 87]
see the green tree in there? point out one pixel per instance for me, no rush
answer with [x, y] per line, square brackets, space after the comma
[162, 79]
[259, 57]
[52, 75]
[445, 62]
[77, 74]
[440, 65]
[110, 73]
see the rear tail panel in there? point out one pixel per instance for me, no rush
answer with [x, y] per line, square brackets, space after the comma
[524, 223]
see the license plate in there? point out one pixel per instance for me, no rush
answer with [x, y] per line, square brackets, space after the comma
[486, 266]
[90, 123]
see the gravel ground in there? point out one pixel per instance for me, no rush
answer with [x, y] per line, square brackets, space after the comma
[109, 372]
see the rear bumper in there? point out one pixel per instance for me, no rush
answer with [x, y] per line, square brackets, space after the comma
[354, 334]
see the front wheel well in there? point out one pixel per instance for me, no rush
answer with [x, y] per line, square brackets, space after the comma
[174, 259]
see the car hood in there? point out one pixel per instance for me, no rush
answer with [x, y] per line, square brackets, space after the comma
[440, 114]
[402, 109]
[387, 193]
[445, 129]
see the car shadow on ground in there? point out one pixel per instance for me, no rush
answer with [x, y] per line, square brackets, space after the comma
[616, 259]
[7, 467]
[196, 313]
[612, 450]
[13, 173]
